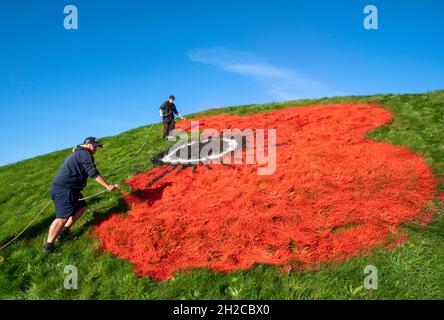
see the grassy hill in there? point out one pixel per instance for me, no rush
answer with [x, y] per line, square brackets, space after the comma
[413, 270]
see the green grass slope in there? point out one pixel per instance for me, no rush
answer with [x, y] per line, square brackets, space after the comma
[412, 271]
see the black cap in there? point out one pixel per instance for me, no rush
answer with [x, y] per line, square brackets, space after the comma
[172, 97]
[93, 141]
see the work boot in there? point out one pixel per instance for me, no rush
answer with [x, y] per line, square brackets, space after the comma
[65, 233]
[48, 248]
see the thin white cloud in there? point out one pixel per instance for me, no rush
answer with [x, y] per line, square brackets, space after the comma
[258, 70]
[280, 83]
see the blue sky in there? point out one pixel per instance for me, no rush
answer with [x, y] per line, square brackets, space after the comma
[111, 75]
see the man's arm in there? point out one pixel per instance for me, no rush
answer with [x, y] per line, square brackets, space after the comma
[163, 110]
[177, 113]
[93, 173]
[102, 181]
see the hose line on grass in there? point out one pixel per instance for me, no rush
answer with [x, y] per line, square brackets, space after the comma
[144, 141]
[40, 212]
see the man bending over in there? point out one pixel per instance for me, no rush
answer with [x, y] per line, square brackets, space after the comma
[66, 190]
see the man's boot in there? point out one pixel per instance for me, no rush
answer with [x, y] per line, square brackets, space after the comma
[48, 248]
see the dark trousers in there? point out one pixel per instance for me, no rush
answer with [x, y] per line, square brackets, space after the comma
[168, 126]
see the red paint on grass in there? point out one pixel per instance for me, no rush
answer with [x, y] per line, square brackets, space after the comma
[334, 195]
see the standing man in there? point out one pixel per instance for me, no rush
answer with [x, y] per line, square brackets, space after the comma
[167, 111]
[66, 190]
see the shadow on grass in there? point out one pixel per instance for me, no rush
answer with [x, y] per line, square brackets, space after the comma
[31, 233]
[99, 216]
[121, 207]
[150, 196]
[42, 226]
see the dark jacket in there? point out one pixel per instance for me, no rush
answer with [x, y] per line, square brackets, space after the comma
[76, 169]
[168, 109]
